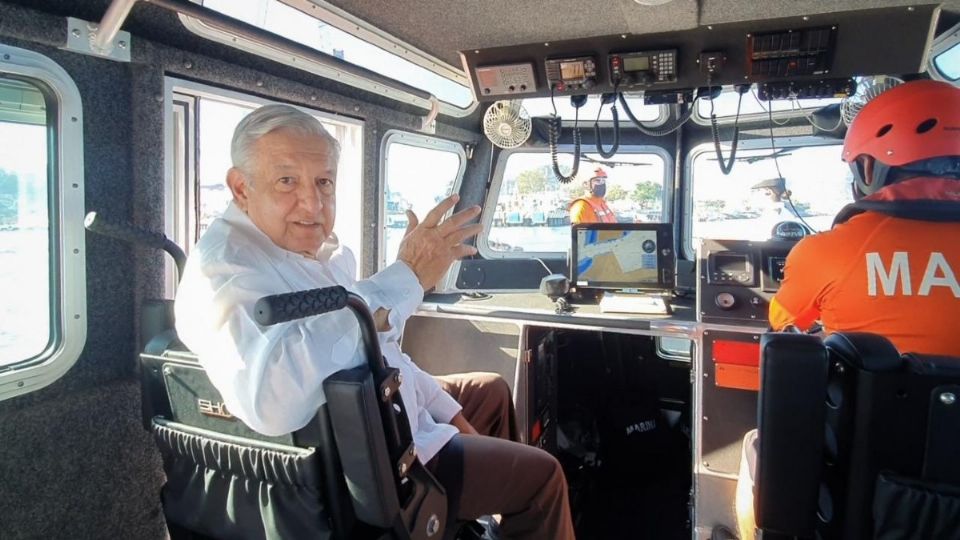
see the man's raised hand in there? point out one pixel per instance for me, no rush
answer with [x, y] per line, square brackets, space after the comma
[430, 247]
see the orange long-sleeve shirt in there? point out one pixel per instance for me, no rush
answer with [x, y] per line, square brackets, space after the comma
[875, 273]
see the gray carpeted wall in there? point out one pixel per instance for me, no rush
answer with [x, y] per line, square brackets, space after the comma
[74, 459]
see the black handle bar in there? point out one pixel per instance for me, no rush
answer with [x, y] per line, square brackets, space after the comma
[278, 308]
[97, 223]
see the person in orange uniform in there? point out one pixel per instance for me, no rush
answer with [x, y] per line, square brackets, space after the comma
[593, 207]
[890, 263]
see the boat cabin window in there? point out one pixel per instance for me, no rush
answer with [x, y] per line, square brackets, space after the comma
[674, 348]
[324, 28]
[752, 107]
[528, 210]
[654, 115]
[24, 221]
[418, 172]
[948, 62]
[42, 277]
[742, 206]
[202, 125]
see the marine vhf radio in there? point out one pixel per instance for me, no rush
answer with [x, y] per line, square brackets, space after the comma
[573, 73]
[642, 69]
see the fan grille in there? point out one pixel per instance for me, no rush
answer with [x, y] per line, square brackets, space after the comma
[868, 88]
[507, 124]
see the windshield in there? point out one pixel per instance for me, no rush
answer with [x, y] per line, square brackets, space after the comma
[591, 110]
[725, 106]
[532, 212]
[747, 204]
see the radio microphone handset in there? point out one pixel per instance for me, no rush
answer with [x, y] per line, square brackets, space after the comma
[656, 132]
[608, 99]
[556, 125]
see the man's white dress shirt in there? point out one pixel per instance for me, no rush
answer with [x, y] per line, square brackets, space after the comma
[271, 377]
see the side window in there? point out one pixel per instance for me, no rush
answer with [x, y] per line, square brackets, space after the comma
[944, 61]
[200, 130]
[418, 173]
[745, 205]
[532, 210]
[42, 269]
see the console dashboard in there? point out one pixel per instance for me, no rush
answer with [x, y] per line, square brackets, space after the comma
[808, 57]
[737, 279]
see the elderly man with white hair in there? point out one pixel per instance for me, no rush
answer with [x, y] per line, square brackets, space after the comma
[277, 236]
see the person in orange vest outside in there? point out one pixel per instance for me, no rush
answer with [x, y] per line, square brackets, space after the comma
[593, 207]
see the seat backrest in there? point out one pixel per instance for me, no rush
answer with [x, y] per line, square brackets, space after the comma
[896, 438]
[223, 478]
[791, 412]
[331, 479]
[887, 430]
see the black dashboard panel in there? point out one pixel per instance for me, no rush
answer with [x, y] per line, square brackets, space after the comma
[737, 279]
[818, 46]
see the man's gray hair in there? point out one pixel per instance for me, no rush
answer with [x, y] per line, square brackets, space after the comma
[267, 119]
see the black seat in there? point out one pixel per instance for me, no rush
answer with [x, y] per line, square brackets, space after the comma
[351, 472]
[856, 440]
[330, 479]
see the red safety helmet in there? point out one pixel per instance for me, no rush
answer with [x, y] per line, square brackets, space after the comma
[910, 123]
[599, 173]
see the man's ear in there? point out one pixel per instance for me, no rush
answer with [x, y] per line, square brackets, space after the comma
[237, 183]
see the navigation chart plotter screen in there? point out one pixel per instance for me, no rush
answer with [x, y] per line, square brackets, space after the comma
[622, 256]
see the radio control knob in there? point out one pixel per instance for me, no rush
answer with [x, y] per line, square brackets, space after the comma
[725, 301]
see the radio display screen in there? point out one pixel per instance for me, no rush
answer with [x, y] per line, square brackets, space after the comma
[730, 263]
[636, 63]
[571, 71]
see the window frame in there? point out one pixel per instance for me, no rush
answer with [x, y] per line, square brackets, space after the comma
[942, 44]
[360, 29]
[68, 302]
[493, 197]
[688, 250]
[176, 207]
[419, 140]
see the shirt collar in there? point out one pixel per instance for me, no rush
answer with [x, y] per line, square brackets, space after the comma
[236, 217]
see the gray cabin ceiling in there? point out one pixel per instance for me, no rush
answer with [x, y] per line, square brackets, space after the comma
[444, 27]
